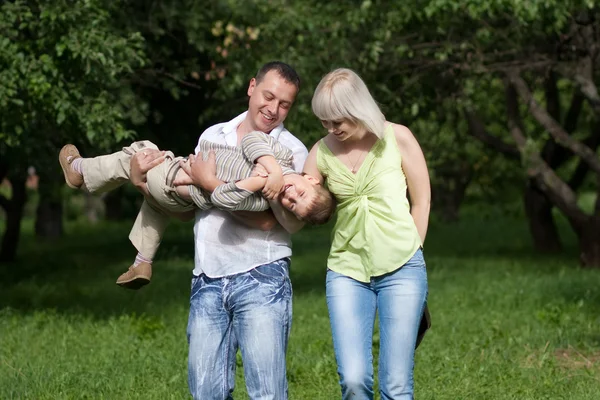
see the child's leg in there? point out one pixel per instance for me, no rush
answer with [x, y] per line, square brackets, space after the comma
[69, 157]
[175, 199]
[106, 173]
[99, 174]
[160, 183]
[145, 235]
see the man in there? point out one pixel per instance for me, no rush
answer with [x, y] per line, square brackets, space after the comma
[241, 291]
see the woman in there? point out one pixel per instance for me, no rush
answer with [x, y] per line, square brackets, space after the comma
[376, 261]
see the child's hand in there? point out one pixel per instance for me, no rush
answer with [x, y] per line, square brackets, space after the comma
[259, 170]
[273, 185]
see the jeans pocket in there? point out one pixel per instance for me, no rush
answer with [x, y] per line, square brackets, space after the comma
[416, 261]
[197, 282]
[276, 271]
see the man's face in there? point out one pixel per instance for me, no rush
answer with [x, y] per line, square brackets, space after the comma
[298, 193]
[270, 101]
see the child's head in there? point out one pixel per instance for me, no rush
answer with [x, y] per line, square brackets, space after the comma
[304, 196]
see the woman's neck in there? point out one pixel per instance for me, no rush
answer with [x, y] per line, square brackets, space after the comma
[359, 140]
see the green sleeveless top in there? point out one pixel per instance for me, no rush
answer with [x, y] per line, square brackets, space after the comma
[374, 233]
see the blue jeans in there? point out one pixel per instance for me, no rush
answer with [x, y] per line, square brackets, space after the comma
[399, 297]
[251, 311]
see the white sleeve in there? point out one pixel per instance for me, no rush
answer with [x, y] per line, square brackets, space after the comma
[300, 156]
[299, 150]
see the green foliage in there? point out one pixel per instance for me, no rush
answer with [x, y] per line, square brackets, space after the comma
[65, 63]
[91, 71]
[423, 61]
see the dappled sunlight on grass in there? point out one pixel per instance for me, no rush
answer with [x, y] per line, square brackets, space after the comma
[507, 323]
[77, 274]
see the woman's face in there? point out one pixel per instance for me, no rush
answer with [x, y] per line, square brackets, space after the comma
[342, 129]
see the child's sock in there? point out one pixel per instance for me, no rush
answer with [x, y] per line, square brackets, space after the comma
[76, 165]
[140, 259]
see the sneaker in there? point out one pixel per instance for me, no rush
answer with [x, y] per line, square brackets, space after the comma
[136, 276]
[73, 178]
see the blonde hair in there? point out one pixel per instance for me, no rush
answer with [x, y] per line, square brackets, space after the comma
[342, 94]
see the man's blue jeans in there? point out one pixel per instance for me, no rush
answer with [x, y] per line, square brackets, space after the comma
[399, 297]
[252, 311]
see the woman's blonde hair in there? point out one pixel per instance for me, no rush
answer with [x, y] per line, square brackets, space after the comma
[342, 94]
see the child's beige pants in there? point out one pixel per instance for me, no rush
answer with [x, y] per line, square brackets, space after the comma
[105, 173]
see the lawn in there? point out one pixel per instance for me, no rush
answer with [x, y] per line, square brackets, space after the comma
[507, 324]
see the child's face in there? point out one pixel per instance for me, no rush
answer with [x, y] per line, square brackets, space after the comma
[298, 193]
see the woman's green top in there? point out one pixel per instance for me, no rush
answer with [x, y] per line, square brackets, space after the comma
[374, 233]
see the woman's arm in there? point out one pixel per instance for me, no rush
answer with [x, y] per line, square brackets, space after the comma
[417, 178]
[310, 166]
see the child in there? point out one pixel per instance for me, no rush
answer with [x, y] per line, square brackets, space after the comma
[301, 195]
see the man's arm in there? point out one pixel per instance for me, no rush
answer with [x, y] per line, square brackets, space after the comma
[288, 220]
[263, 220]
[139, 165]
[202, 173]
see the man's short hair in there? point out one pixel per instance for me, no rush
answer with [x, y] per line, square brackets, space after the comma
[284, 70]
[321, 208]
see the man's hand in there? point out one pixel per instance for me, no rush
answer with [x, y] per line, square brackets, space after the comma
[182, 178]
[202, 173]
[140, 164]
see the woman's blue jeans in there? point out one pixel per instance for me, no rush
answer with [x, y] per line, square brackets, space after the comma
[399, 298]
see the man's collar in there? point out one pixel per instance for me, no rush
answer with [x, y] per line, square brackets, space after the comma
[232, 125]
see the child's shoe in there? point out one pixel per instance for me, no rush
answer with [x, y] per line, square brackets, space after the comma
[136, 276]
[66, 156]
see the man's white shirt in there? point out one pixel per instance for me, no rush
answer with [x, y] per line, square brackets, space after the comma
[223, 245]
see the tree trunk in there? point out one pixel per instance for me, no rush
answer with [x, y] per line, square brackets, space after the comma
[113, 205]
[48, 222]
[589, 243]
[448, 196]
[14, 214]
[49, 214]
[538, 210]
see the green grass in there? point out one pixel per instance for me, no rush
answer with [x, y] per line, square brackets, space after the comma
[507, 324]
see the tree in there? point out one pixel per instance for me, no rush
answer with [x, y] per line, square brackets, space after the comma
[553, 46]
[64, 63]
[480, 55]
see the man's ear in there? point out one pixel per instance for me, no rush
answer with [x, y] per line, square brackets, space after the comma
[251, 86]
